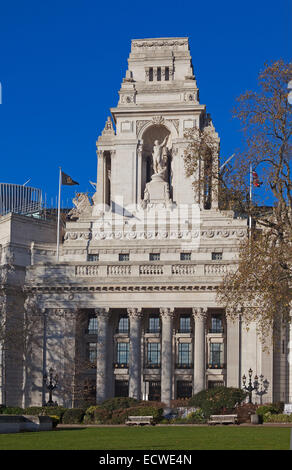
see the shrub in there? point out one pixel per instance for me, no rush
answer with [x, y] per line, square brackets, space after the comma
[120, 416]
[73, 416]
[196, 417]
[217, 400]
[277, 418]
[273, 408]
[12, 410]
[96, 415]
[119, 403]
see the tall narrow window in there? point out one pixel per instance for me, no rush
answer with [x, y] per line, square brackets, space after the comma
[154, 324]
[92, 353]
[167, 74]
[159, 74]
[216, 355]
[184, 324]
[216, 324]
[184, 354]
[151, 74]
[123, 324]
[92, 326]
[123, 353]
[153, 354]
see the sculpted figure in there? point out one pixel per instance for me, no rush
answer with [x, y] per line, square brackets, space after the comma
[159, 155]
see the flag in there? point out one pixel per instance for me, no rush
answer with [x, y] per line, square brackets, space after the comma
[67, 180]
[255, 180]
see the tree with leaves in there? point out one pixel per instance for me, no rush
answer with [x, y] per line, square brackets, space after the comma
[261, 287]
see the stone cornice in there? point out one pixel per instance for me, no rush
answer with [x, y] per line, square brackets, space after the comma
[118, 288]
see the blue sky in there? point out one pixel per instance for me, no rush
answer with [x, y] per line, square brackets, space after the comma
[62, 63]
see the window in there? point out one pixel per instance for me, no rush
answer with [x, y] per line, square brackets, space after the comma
[159, 74]
[92, 326]
[216, 256]
[151, 74]
[167, 74]
[123, 353]
[121, 388]
[153, 354]
[154, 324]
[216, 355]
[184, 354]
[183, 389]
[93, 257]
[185, 256]
[154, 257]
[123, 324]
[124, 257]
[216, 324]
[92, 353]
[184, 324]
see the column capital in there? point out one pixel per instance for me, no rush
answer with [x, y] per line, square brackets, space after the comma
[135, 312]
[199, 313]
[102, 312]
[166, 312]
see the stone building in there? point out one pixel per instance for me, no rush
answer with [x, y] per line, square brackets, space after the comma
[129, 308]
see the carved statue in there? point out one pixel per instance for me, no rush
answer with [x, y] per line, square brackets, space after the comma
[159, 156]
[82, 206]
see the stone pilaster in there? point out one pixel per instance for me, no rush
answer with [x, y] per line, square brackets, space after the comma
[103, 316]
[135, 316]
[100, 194]
[199, 315]
[167, 315]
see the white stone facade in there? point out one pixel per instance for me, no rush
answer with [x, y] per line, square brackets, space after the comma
[131, 306]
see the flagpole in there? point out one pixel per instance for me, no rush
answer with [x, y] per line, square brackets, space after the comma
[250, 194]
[59, 210]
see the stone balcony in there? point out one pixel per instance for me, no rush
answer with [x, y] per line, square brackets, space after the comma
[155, 269]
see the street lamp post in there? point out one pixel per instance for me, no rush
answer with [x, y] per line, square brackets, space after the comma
[251, 386]
[51, 385]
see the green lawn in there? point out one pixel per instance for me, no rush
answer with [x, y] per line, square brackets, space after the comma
[151, 438]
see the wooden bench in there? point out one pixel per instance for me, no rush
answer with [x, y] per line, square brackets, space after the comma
[223, 419]
[139, 420]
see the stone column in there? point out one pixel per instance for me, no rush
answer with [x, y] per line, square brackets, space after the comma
[102, 371]
[135, 315]
[233, 353]
[167, 315]
[199, 315]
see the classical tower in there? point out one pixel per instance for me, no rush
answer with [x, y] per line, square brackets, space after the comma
[158, 102]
